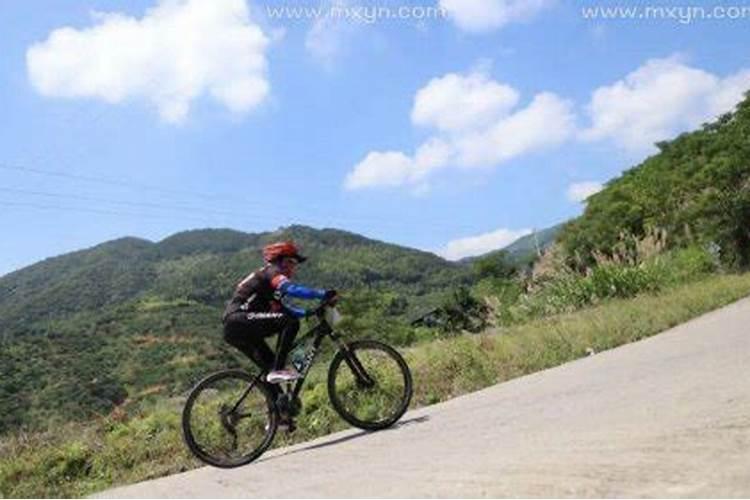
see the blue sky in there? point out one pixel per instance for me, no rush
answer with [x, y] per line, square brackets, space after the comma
[452, 134]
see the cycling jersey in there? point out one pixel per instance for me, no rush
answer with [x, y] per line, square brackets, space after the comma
[262, 292]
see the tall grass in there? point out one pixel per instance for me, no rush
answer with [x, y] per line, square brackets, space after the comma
[560, 288]
[76, 459]
[450, 367]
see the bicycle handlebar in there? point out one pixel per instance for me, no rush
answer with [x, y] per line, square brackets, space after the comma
[318, 311]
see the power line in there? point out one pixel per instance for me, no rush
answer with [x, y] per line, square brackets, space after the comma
[96, 211]
[117, 202]
[135, 185]
[323, 222]
[100, 180]
[243, 203]
[116, 182]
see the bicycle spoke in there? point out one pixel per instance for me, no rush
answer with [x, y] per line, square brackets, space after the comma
[229, 419]
[370, 388]
[244, 395]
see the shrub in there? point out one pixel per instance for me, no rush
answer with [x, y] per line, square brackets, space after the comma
[463, 311]
[690, 263]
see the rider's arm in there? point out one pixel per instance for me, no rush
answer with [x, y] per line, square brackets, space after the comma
[295, 311]
[282, 284]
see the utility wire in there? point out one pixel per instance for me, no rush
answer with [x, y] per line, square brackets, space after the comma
[182, 208]
[117, 182]
[243, 203]
[98, 211]
[101, 180]
[323, 222]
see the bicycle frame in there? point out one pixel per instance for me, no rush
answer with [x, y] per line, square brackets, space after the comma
[319, 332]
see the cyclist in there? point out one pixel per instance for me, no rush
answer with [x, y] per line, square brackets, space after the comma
[258, 310]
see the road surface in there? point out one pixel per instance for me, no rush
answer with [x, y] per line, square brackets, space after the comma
[668, 417]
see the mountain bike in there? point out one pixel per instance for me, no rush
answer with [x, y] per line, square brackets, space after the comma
[231, 417]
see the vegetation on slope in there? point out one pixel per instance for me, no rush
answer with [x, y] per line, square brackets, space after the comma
[140, 319]
[696, 189]
[120, 448]
[134, 321]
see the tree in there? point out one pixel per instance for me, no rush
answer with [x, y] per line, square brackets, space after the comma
[494, 265]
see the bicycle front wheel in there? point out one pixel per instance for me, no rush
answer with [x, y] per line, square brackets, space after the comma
[369, 384]
[229, 419]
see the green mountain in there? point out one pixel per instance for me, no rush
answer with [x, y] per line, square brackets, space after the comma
[129, 319]
[694, 191]
[523, 250]
[203, 266]
[526, 248]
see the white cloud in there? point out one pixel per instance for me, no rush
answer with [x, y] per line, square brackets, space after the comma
[658, 100]
[389, 168]
[580, 191]
[178, 51]
[478, 16]
[394, 168]
[729, 93]
[327, 37]
[457, 102]
[483, 243]
[476, 127]
[547, 121]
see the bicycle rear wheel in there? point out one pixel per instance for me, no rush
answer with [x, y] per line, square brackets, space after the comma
[229, 419]
[369, 384]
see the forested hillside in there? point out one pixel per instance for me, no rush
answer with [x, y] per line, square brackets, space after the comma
[131, 319]
[696, 190]
[203, 266]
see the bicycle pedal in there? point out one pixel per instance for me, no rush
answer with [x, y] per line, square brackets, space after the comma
[289, 428]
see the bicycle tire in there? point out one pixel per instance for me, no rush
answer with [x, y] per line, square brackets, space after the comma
[340, 367]
[258, 389]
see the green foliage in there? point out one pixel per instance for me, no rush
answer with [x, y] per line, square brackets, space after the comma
[697, 188]
[689, 263]
[77, 459]
[494, 265]
[449, 367]
[203, 266]
[130, 321]
[567, 290]
[462, 311]
[371, 314]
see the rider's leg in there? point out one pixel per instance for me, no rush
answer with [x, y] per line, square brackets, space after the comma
[247, 337]
[244, 337]
[246, 332]
[289, 328]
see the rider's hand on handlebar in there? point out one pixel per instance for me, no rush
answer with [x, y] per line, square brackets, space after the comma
[331, 297]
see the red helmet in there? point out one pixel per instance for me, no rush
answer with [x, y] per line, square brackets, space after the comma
[282, 249]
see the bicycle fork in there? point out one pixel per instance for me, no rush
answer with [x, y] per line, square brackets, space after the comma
[363, 378]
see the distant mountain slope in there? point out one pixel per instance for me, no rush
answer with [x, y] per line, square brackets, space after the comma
[525, 248]
[203, 265]
[130, 320]
[85, 280]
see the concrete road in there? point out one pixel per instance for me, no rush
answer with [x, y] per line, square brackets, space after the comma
[666, 417]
